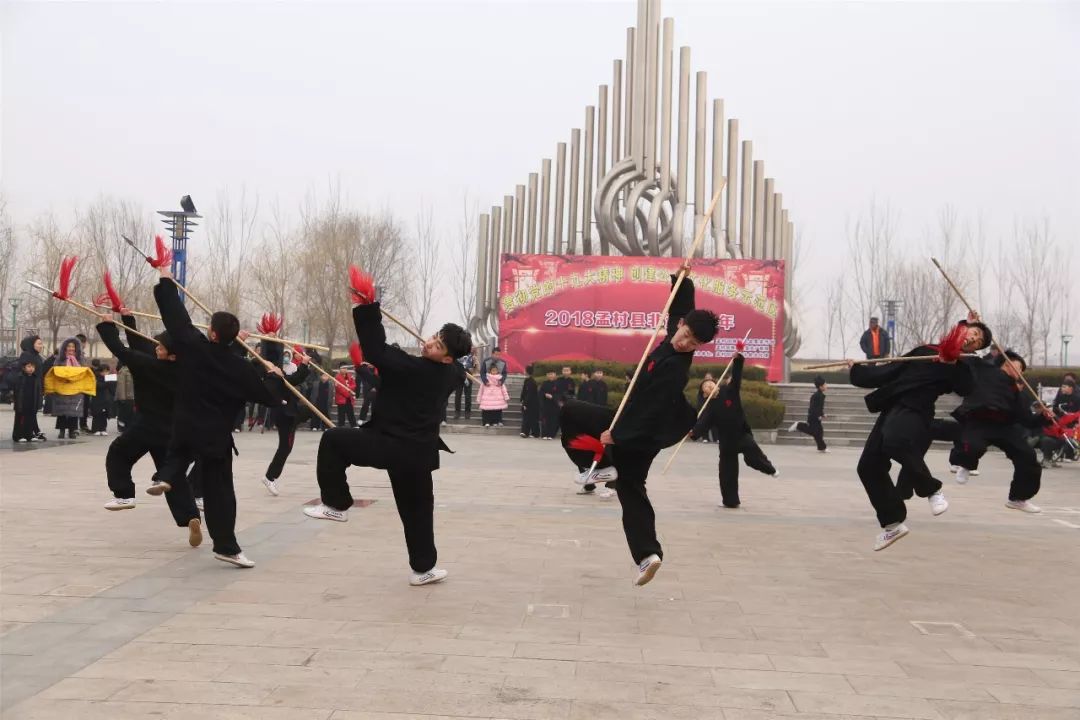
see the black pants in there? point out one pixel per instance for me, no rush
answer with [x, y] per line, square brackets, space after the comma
[344, 412]
[410, 479]
[903, 436]
[125, 413]
[67, 422]
[530, 421]
[813, 428]
[26, 426]
[219, 497]
[127, 449]
[286, 434]
[977, 435]
[465, 390]
[369, 400]
[99, 420]
[549, 418]
[491, 417]
[84, 421]
[582, 418]
[730, 449]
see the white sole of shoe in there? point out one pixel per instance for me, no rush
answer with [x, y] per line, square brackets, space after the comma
[320, 516]
[1034, 510]
[194, 527]
[270, 488]
[158, 489]
[120, 507]
[650, 572]
[428, 581]
[882, 546]
[233, 561]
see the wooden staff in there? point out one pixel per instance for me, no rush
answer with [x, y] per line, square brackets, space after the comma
[663, 313]
[337, 382]
[257, 336]
[270, 367]
[409, 330]
[716, 389]
[100, 316]
[876, 361]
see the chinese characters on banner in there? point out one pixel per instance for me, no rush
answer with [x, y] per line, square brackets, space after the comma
[579, 307]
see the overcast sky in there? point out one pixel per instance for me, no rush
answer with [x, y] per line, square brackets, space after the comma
[918, 104]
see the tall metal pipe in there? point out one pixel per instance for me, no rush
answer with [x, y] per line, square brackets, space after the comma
[732, 187]
[746, 238]
[616, 114]
[767, 228]
[508, 224]
[601, 133]
[571, 227]
[560, 194]
[494, 249]
[651, 75]
[519, 216]
[668, 61]
[759, 208]
[545, 197]
[719, 244]
[628, 86]
[682, 147]
[778, 229]
[700, 146]
[530, 231]
[481, 266]
[587, 181]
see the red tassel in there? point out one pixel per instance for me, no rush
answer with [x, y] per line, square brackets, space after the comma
[298, 355]
[952, 344]
[363, 286]
[270, 323]
[164, 254]
[356, 354]
[740, 346]
[589, 444]
[67, 268]
[114, 297]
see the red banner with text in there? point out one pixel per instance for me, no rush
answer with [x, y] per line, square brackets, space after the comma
[581, 307]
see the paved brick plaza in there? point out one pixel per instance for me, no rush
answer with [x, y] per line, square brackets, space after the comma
[778, 609]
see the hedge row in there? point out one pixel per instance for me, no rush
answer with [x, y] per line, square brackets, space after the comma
[761, 412]
[1044, 375]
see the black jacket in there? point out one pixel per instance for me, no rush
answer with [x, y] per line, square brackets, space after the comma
[367, 382]
[817, 407]
[914, 385]
[1065, 404]
[657, 414]
[27, 353]
[565, 388]
[593, 391]
[213, 381]
[866, 342]
[725, 412]
[26, 393]
[549, 387]
[155, 380]
[530, 393]
[413, 390]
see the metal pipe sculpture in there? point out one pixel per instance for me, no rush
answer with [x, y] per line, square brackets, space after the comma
[623, 174]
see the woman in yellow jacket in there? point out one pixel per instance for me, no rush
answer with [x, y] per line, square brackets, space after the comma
[69, 382]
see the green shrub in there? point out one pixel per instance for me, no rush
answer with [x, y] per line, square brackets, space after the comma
[617, 370]
[1050, 376]
[832, 377]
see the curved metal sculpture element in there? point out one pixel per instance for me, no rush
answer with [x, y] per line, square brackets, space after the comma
[642, 199]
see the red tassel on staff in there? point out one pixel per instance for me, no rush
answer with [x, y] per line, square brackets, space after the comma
[111, 295]
[67, 268]
[952, 344]
[362, 285]
[589, 444]
[298, 355]
[356, 354]
[163, 255]
[270, 323]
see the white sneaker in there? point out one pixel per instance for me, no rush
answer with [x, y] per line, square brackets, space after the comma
[647, 570]
[962, 475]
[271, 486]
[953, 468]
[890, 535]
[586, 477]
[608, 474]
[938, 503]
[1024, 505]
[239, 560]
[433, 575]
[120, 504]
[324, 512]
[776, 474]
[605, 493]
[586, 491]
[199, 503]
[194, 527]
[793, 427]
[824, 451]
[974, 473]
[23, 440]
[158, 487]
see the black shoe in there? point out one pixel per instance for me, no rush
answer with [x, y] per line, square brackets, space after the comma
[61, 436]
[72, 434]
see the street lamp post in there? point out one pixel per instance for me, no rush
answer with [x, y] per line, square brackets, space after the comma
[1065, 340]
[14, 326]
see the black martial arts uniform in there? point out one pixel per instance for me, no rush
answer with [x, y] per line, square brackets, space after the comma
[549, 409]
[904, 396]
[530, 408]
[285, 413]
[997, 413]
[725, 417]
[812, 426]
[402, 437]
[26, 398]
[656, 416]
[213, 383]
[155, 383]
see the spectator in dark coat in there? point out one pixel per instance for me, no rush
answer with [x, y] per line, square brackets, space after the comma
[875, 342]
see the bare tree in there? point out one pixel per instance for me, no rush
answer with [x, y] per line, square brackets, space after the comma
[49, 244]
[872, 257]
[8, 255]
[1032, 266]
[230, 235]
[949, 248]
[464, 259]
[425, 269]
[834, 314]
[100, 228]
[274, 270]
